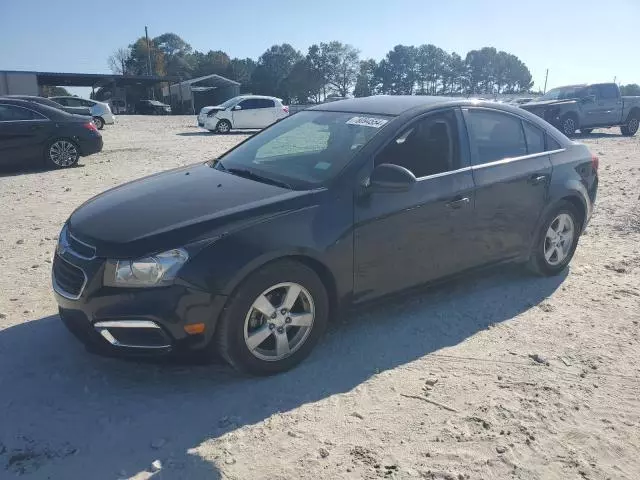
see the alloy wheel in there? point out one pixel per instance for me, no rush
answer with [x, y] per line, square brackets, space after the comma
[633, 125]
[279, 321]
[569, 126]
[63, 153]
[559, 239]
[223, 127]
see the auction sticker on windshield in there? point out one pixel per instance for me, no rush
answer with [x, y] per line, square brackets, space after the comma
[367, 121]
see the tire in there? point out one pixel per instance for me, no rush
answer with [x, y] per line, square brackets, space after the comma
[569, 125]
[586, 131]
[223, 126]
[630, 129]
[62, 153]
[98, 122]
[274, 283]
[540, 262]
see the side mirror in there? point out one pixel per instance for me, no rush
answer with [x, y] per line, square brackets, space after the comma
[390, 178]
[237, 107]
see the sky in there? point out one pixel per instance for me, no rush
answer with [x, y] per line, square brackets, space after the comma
[578, 41]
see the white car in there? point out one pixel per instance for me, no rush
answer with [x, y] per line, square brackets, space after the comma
[101, 112]
[245, 111]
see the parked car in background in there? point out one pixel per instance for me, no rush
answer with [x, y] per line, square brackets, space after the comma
[245, 111]
[118, 107]
[586, 107]
[152, 107]
[251, 254]
[30, 131]
[50, 103]
[101, 112]
[520, 101]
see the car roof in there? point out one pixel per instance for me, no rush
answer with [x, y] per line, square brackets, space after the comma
[259, 96]
[399, 104]
[38, 107]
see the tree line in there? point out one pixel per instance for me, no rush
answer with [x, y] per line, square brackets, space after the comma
[332, 68]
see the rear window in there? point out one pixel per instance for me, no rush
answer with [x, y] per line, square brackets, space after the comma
[496, 135]
[534, 137]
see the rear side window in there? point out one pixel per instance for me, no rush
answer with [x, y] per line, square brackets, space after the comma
[608, 91]
[495, 136]
[264, 103]
[12, 113]
[552, 144]
[534, 137]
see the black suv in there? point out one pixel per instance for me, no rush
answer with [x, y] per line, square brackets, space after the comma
[152, 107]
[250, 255]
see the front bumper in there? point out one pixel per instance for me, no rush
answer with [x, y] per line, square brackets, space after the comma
[133, 322]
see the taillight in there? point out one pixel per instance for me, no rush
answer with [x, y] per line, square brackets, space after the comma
[285, 109]
[90, 126]
[595, 163]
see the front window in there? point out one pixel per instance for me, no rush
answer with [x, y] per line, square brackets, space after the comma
[304, 150]
[231, 102]
[564, 93]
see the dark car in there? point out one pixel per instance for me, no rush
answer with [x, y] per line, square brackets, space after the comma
[50, 103]
[586, 107]
[250, 255]
[30, 131]
[152, 107]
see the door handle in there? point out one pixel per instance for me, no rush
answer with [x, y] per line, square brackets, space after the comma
[458, 202]
[537, 179]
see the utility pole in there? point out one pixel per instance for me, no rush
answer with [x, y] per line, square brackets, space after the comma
[614, 79]
[545, 81]
[146, 35]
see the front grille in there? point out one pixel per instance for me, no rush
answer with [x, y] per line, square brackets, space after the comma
[68, 279]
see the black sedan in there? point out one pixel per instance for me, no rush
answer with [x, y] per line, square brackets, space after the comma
[252, 254]
[30, 131]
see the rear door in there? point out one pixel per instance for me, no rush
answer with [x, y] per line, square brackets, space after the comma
[404, 239]
[511, 171]
[609, 104]
[23, 133]
[265, 113]
[247, 115]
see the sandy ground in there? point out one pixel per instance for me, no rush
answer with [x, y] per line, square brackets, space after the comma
[435, 385]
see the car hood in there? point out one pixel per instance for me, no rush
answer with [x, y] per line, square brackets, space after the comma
[176, 208]
[545, 103]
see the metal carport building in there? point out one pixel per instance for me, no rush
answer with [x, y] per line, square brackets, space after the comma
[191, 95]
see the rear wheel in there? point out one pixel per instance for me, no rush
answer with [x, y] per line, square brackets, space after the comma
[630, 129]
[556, 241]
[98, 122]
[62, 153]
[224, 126]
[274, 319]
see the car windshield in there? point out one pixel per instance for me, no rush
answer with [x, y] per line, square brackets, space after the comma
[563, 93]
[231, 102]
[304, 150]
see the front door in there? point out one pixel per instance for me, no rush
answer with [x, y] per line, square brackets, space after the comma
[22, 134]
[408, 238]
[245, 114]
[511, 171]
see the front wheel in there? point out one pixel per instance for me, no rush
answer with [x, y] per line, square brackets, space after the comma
[62, 153]
[274, 319]
[557, 241]
[630, 129]
[98, 122]
[569, 126]
[224, 126]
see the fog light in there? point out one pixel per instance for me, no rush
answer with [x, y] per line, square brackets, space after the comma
[194, 328]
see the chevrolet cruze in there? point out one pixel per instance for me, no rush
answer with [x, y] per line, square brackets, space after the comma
[250, 255]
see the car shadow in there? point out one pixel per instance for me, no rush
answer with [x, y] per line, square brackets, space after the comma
[66, 412]
[595, 135]
[30, 169]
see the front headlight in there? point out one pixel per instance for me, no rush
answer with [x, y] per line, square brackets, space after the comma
[153, 271]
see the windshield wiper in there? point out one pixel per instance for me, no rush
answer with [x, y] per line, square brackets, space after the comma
[246, 173]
